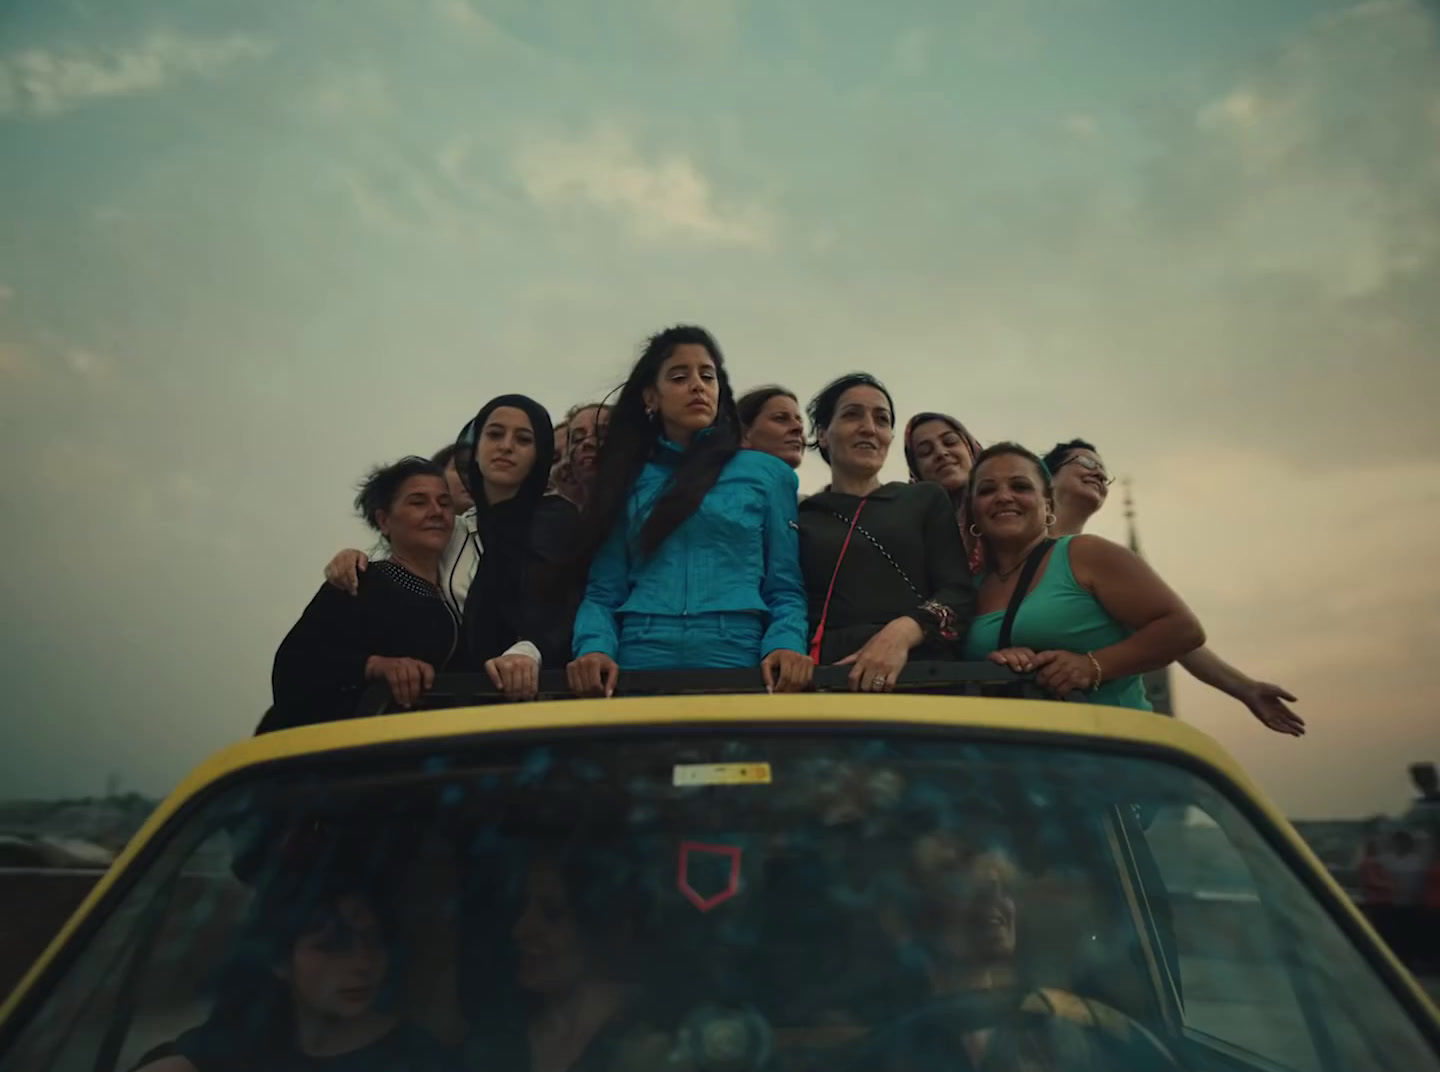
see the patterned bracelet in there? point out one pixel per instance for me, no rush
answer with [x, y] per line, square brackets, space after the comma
[944, 618]
[1099, 674]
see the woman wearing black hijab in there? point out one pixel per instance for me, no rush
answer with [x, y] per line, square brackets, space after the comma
[512, 610]
[500, 569]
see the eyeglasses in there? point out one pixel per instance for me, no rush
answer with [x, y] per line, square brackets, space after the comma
[1087, 462]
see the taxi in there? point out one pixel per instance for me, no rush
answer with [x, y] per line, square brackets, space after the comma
[960, 875]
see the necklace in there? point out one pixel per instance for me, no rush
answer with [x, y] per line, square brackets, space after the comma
[1005, 575]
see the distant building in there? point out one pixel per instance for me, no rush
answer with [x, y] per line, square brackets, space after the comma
[1157, 682]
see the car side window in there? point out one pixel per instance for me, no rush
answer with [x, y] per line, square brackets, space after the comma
[1233, 983]
[79, 1021]
[1266, 970]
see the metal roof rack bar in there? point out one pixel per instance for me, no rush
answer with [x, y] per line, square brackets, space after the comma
[943, 678]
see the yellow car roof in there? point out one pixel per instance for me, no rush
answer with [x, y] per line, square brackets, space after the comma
[1037, 720]
[1016, 719]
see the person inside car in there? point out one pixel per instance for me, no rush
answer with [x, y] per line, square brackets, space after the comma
[1085, 614]
[397, 628]
[308, 989]
[1082, 485]
[960, 917]
[689, 541]
[583, 961]
[885, 570]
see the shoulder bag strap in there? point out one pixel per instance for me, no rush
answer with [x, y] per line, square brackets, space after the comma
[825, 611]
[1022, 585]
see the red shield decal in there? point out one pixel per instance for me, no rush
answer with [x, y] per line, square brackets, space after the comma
[704, 903]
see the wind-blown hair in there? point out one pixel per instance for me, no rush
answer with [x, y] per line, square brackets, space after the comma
[382, 485]
[1060, 451]
[632, 439]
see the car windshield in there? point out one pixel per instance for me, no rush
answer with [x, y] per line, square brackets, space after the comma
[726, 900]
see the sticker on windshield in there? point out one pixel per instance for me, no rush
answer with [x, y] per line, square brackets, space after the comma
[722, 774]
[725, 884]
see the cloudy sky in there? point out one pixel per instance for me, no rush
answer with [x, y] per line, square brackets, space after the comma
[247, 250]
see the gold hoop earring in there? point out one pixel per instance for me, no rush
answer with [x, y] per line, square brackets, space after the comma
[1050, 520]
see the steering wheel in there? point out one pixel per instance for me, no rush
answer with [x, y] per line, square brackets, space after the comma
[929, 1040]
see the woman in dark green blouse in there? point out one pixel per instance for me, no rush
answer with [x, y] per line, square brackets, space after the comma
[885, 569]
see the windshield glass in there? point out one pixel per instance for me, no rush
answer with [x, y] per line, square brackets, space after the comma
[738, 901]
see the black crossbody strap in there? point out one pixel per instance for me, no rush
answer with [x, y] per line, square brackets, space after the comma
[1027, 574]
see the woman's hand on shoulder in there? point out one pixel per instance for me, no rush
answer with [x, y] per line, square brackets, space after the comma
[517, 676]
[344, 570]
[787, 671]
[408, 678]
[595, 674]
[1064, 672]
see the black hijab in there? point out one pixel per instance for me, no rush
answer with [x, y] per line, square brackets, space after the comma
[502, 606]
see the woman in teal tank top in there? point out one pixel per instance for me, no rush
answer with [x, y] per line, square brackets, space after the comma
[1094, 617]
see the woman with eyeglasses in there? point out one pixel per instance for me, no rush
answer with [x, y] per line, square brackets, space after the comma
[1086, 615]
[1082, 485]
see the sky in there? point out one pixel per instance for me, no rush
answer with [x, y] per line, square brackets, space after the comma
[249, 250]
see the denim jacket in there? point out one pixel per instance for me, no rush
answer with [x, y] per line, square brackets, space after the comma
[738, 552]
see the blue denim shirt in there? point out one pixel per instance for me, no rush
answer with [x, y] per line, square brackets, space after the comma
[739, 551]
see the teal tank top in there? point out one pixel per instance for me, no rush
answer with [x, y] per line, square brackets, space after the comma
[1060, 615]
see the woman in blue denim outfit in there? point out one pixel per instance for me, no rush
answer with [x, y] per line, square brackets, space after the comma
[693, 554]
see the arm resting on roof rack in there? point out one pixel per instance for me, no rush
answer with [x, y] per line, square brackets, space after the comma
[783, 586]
[596, 632]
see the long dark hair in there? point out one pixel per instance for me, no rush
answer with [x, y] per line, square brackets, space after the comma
[253, 1009]
[632, 439]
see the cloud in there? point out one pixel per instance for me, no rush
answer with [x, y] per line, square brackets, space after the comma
[1082, 126]
[1323, 163]
[912, 51]
[41, 82]
[12, 363]
[666, 198]
[441, 197]
[87, 363]
[350, 95]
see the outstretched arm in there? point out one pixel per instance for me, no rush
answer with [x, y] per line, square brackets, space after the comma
[1265, 701]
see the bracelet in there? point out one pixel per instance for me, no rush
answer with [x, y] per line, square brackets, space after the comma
[1099, 674]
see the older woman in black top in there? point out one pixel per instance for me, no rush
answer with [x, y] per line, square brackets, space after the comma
[884, 566]
[397, 628]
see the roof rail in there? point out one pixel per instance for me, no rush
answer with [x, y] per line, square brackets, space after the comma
[934, 678]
